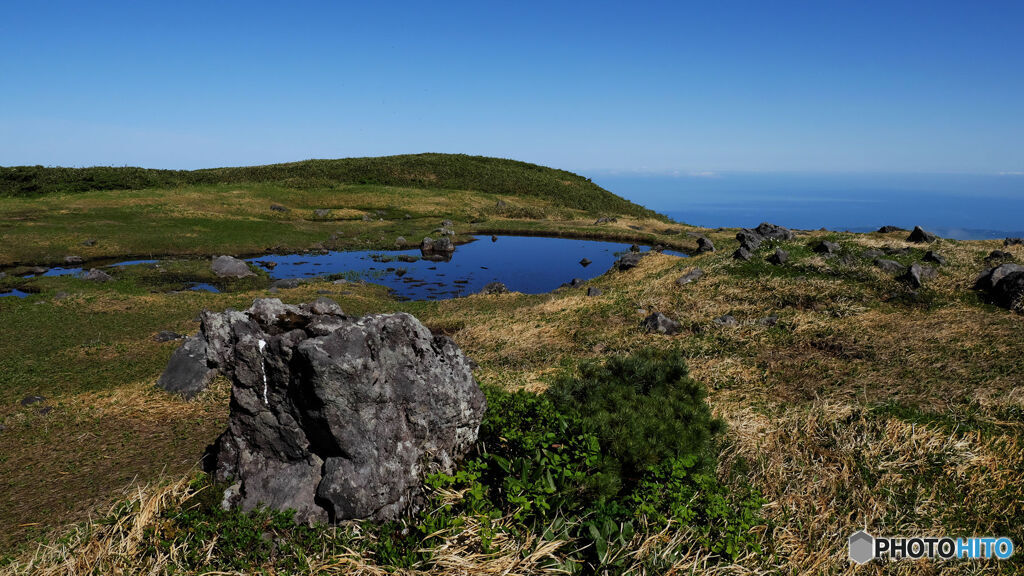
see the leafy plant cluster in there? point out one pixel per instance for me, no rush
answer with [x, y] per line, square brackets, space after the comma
[606, 457]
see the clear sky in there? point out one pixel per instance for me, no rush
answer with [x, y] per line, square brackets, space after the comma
[926, 86]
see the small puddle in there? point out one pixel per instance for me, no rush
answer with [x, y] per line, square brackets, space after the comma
[202, 287]
[16, 293]
[527, 264]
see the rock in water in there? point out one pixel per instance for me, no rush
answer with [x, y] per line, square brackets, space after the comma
[920, 236]
[230, 267]
[335, 417]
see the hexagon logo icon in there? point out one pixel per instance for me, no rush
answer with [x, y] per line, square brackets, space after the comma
[862, 547]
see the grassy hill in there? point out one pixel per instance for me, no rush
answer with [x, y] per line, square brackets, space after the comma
[427, 171]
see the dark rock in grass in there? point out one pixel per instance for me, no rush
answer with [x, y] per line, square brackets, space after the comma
[71, 260]
[705, 245]
[988, 279]
[594, 291]
[628, 261]
[494, 288]
[446, 224]
[30, 400]
[920, 236]
[769, 320]
[749, 240]
[778, 258]
[286, 283]
[890, 266]
[337, 418]
[1004, 285]
[916, 274]
[321, 213]
[742, 253]
[774, 232]
[230, 267]
[279, 208]
[187, 372]
[575, 282]
[605, 220]
[671, 231]
[826, 247]
[658, 322]
[634, 227]
[999, 255]
[872, 253]
[691, 276]
[61, 295]
[167, 336]
[400, 241]
[89, 242]
[95, 275]
[933, 256]
[890, 229]
[1013, 242]
[898, 251]
[585, 262]
[727, 320]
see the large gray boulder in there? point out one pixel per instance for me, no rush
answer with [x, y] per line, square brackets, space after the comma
[1004, 285]
[230, 267]
[335, 417]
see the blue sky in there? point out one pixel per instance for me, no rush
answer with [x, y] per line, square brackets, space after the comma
[591, 86]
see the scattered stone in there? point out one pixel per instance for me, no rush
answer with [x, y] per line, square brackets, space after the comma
[826, 247]
[628, 261]
[30, 400]
[501, 204]
[605, 221]
[594, 291]
[446, 224]
[230, 267]
[890, 229]
[749, 240]
[61, 295]
[444, 231]
[1004, 285]
[400, 241]
[585, 262]
[658, 322]
[279, 208]
[890, 266]
[691, 276]
[321, 213]
[95, 275]
[704, 245]
[916, 274]
[167, 336]
[727, 320]
[634, 248]
[494, 288]
[38, 270]
[769, 320]
[778, 258]
[872, 253]
[286, 283]
[634, 227]
[999, 255]
[933, 256]
[334, 417]
[575, 282]
[742, 253]
[71, 260]
[45, 410]
[774, 232]
[367, 218]
[89, 242]
[671, 231]
[1013, 242]
[898, 251]
[920, 236]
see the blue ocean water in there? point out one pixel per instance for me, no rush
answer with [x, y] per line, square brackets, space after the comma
[961, 206]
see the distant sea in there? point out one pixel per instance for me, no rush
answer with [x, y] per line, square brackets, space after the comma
[960, 206]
